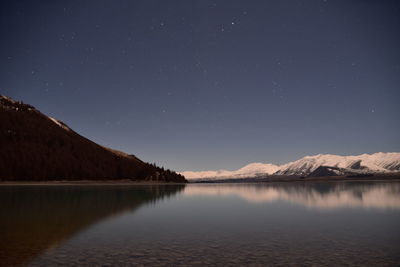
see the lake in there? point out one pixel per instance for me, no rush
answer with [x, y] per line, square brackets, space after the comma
[283, 224]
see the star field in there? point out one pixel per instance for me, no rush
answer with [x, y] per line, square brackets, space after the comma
[196, 85]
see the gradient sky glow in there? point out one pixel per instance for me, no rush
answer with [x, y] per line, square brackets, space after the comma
[197, 85]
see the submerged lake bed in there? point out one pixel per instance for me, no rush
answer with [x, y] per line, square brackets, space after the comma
[298, 223]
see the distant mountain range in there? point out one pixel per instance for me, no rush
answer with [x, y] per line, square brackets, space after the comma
[35, 147]
[250, 170]
[311, 166]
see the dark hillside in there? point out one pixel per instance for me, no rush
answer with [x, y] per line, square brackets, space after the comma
[35, 147]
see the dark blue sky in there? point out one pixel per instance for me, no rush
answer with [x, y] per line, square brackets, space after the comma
[195, 85]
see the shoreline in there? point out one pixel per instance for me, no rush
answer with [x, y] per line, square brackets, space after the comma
[288, 179]
[127, 182]
[86, 182]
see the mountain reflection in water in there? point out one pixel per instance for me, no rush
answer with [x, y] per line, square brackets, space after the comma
[36, 218]
[259, 224]
[313, 195]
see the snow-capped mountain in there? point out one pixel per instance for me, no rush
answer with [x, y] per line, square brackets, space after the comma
[318, 165]
[365, 163]
[250, 170]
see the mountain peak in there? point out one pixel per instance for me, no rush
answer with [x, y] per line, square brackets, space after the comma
[377, 162]
[8, 103]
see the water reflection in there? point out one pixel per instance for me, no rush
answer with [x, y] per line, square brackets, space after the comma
[313, 195]
[36, 218]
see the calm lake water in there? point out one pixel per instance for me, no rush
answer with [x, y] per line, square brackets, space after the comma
[321, 223]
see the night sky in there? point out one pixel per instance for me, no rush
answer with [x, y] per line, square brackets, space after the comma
[197, 85]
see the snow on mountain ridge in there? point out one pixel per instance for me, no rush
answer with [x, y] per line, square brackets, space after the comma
[377, 162]
[250, 170]
[380, 162]
[60, 124]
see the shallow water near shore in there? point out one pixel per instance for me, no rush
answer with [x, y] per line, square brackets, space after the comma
[299, 223]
